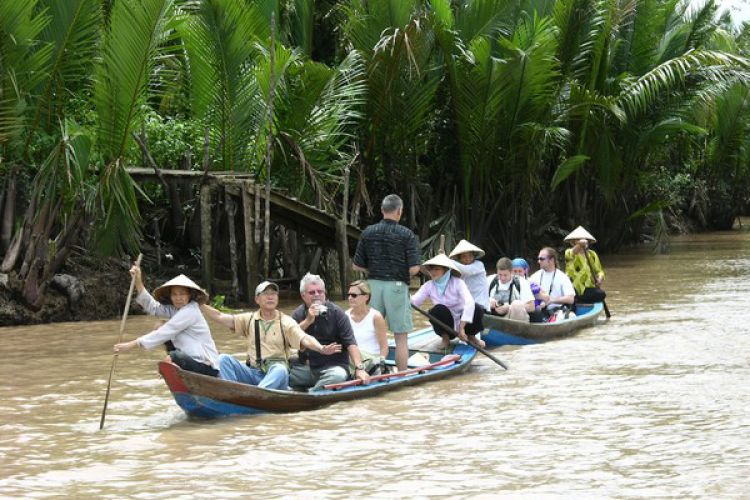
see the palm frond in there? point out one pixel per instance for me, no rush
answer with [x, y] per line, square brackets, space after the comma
[137, 30]
[23, 63]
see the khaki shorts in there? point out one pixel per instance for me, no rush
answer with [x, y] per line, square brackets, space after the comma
[392, 299]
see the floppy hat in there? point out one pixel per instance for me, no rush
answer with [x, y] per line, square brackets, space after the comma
[264, 286]
[580, 233]
[464, 247]
[442, 260]
[162, 293]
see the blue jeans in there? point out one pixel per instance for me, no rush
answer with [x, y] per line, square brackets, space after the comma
[277, 376]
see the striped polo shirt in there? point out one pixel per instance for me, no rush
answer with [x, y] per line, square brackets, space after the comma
[387, 250]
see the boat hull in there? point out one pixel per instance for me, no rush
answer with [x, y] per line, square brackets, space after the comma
[502, 331]
[210, 397]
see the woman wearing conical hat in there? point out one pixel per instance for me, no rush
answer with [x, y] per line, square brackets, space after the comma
[472, 271]
[583, 267]
[185, 333]
[453, 303]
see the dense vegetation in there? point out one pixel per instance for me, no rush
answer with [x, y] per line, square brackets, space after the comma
[500, 120]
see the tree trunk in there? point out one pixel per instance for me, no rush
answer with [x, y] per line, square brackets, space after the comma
[9, 213]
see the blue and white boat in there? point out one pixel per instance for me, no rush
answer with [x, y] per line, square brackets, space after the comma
[503, 331]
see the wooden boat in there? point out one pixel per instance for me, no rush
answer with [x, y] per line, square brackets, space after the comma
[210, 397]
[503, 331]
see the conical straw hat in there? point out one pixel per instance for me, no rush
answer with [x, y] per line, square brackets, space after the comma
[162, 293]
[580, 233]
[464, 247]
[442, 260]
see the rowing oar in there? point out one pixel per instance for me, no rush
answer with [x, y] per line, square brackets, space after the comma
[593, 276]
[451, 330]
[119, 339]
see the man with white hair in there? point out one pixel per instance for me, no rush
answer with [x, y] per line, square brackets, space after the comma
[328, 324]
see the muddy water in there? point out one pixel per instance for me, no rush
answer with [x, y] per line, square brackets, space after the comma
[652, 403]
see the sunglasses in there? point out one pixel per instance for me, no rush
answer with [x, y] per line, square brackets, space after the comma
[355, 295]
[542, 258]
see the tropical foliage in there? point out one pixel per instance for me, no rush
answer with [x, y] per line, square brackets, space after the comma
[505, 122]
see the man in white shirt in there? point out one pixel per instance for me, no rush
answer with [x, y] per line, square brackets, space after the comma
[510, 296]
[556, 290]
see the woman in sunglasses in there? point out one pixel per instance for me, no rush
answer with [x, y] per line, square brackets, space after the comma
[367, 323]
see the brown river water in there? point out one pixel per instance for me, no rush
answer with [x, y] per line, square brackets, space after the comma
[654, 402]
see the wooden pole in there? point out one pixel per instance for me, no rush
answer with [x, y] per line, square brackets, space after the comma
[251, 249]
[269, 144]
[343, 243]
[119, 339]
[451, 330]
[207, 274]
[231, 208]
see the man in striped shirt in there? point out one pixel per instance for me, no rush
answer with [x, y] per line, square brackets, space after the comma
[389, 253]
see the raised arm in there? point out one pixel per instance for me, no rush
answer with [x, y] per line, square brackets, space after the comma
[218, 316]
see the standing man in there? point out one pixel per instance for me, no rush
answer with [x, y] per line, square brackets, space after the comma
[389, 253]
[328, 324]
[270, 335]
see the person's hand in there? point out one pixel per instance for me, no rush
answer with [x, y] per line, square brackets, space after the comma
[361, 375]
[599, 280]
[502, 309]
[329, 349]
[462, 335]
[493, 304]
[314, 311]
[124, 346]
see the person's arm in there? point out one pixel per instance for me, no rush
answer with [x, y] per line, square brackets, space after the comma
[412, 255]
[356, 356]
[381, 333]
[418, 298]
[568, 292]
[136, 273]
[310, 342]
[467, 316]
[597, 265]
[218, 316]
[183, 319]
[359, 261]
[125, 346]
[312, 312]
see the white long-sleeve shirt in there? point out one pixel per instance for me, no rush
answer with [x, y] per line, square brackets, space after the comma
[475, 277]
[186, 328]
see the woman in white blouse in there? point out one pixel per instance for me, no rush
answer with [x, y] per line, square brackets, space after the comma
[185, 333]
[367, 323]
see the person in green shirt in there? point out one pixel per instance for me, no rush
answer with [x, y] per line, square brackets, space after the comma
[583, 267]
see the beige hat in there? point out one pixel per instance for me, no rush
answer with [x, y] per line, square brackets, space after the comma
[162, 293]
[579, 233]
[442, 260]
[465, 247]
[264, 286]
